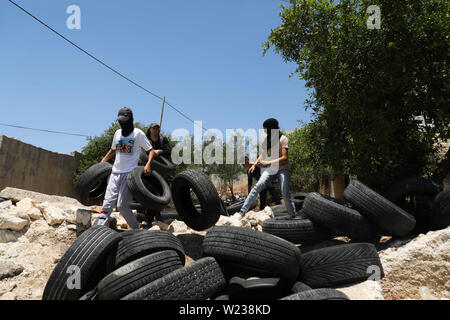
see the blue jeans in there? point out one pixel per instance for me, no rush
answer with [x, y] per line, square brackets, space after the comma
[284, 177]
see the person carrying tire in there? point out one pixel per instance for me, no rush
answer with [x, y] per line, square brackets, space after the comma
[256, 174]
[160, 144]
[126, 146]
[276, 168]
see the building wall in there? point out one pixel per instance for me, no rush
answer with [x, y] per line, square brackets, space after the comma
[28, 167]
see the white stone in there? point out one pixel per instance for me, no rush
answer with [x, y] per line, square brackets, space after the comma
[228, 221]
[83, 217]
[16, 195]
[162, 225]
[422, 262]
[245, 224]
[8, 220]
[71, 227]
[8, 296]
[28, 206]
[52, 214]
[425, 294]
[259, 216]
[8, 236]
[154, 228]
[5, 204]
[179, 227]
[367, 290]
[18, 213]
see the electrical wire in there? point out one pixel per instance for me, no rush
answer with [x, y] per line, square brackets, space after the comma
[104, 64]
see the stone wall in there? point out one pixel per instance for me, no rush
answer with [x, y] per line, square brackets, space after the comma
[28, 167]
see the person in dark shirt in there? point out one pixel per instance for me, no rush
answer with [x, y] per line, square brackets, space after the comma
[256, 174]
[161, 147]
[160, 144]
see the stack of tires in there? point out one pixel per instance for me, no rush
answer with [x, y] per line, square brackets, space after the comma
[103, 264]
[107, 265]
[365, 214]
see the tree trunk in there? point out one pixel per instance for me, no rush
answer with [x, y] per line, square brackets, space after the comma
[230, 185]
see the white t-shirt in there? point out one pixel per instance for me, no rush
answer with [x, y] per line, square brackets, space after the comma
[273, 169]
[128, 150]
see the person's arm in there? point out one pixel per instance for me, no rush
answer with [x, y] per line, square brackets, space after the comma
[258, 161]
[147, 168]
[280, 160]
[144, 142]
[284, 155]
[109, 155]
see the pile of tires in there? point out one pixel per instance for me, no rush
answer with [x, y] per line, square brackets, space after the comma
[364, 214]
[103, 264]
[261, 266]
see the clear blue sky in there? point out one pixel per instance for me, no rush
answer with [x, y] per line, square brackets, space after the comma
[205, 56]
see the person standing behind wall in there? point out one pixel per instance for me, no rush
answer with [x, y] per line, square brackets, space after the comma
[126, 147]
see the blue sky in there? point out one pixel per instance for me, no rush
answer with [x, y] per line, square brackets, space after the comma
[205, 56]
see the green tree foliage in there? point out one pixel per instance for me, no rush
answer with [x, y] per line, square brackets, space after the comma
[368, 86]
[306, 157]
[228, 172]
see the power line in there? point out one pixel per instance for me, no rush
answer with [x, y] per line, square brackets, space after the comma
[102, 63]
[44, 130]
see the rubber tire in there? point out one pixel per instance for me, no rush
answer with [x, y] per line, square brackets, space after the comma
[137, 274]
[199, 280]
[440, 215]
[318, 294]
[89, 179]
[413, 187]
[300, 287]
[341, 220]
[393, 220]
[88, 252]
[299, 195]
[211, 204]
[339, 265]
[280, 210]
[258, 289]
[297, 230]
[247, 253]
[136, 245]
[160, 164]
[90, 295]
[147, 198]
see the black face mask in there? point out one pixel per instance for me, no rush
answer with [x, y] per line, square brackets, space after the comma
[127, 127]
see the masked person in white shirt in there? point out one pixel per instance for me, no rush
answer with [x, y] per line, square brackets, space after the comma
[126, 146]
[278, 167]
